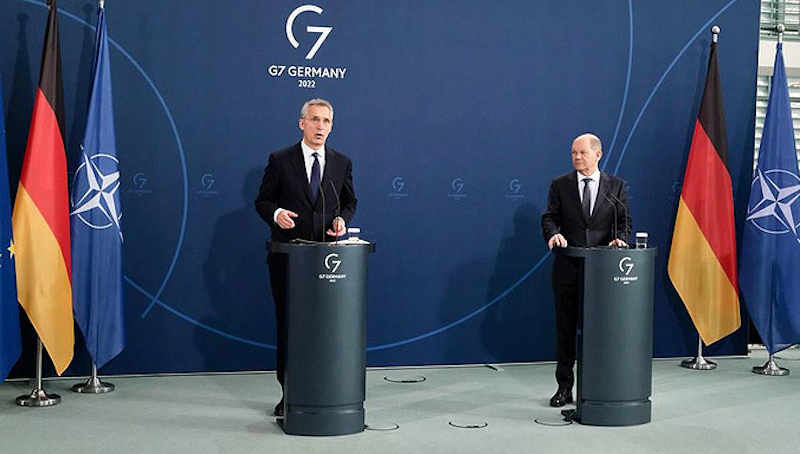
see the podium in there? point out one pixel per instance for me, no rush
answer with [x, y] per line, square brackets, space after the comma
[615, 335]
[324, 381]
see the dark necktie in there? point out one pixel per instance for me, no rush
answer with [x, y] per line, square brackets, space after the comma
[586, 201]
[314, 184]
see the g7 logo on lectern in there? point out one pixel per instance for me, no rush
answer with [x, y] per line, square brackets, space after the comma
[626, 265]
[323, 31]
[332, 261]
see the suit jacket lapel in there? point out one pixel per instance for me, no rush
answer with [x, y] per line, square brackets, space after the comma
[329, 168]
[600, 200]
[299, 165]
[573, 182]
[576, 198]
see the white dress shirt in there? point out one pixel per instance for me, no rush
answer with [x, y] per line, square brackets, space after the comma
[309, 160]
[593, 187]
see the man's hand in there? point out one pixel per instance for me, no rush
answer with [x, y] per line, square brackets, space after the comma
[284, 219]
[339, 228]
[557, 240]
[618, 243]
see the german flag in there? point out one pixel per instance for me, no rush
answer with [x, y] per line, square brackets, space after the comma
[702, 261]
[41, 213]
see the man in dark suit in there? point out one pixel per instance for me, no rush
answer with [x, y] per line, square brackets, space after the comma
[580, 212]
[306, 193]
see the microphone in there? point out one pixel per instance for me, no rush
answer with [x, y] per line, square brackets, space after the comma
[626, 231]
[322, 222]
[615, 231]
[338, 207]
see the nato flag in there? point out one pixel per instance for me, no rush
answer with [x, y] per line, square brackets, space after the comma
[95, 215]
[10, 345]
[770, 252]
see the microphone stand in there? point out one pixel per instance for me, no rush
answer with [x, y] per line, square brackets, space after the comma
[613, 205]
[338, 206]
[322, 221]
[627, 232]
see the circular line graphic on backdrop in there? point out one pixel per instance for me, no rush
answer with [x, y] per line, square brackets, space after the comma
[627, 86]
[664, 76]
[154, 299]
[181, 155]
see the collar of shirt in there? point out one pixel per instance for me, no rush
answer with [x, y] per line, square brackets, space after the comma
[593, 188]
[594, 176]
[309, 160]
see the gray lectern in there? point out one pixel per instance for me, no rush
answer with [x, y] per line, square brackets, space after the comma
[326, 345]
[615, 336]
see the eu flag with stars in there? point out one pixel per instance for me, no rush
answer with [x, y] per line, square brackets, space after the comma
[770, 252]
[10, 344]
[95, 215]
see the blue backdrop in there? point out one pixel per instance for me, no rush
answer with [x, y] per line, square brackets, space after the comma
[457, 116]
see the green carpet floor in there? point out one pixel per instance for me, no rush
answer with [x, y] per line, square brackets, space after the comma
[729, 410]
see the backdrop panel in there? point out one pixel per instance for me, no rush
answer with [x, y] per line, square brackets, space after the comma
[457, 117]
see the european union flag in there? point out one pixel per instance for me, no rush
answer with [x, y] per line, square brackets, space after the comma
[10, 344]
[95, 221]
[770, 252]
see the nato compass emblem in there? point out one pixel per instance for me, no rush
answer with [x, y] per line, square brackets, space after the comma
[100, 192]
[775, 212]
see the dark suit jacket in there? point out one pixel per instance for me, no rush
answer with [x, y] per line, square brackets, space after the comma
[285, 185]
[564, 214]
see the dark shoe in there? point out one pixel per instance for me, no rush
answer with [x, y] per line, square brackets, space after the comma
[278, 409]
[560, 398]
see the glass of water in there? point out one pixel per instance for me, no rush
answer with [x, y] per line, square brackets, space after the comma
[641, 240]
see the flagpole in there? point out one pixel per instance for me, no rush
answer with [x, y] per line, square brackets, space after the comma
[699, 362]
[93, 385]
[38, 397]
[771, 367]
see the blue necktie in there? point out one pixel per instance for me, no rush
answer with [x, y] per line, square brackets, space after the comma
[314, 184]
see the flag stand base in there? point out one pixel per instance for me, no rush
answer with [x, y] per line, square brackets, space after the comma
[771, 368]
[93, 385]
[38, 398]
[698, 363]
